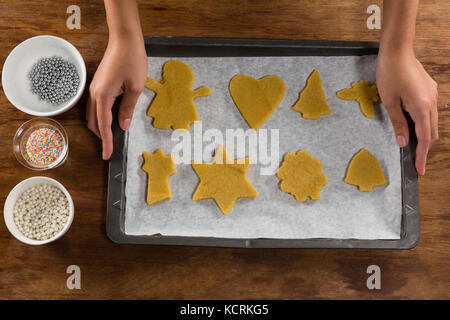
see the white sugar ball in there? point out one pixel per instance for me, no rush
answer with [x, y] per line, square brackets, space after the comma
[41, 212]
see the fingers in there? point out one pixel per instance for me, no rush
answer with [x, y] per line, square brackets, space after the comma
[399, 122]
[423, 133]
[99, 114]
[434, 116]
[127, 104]
[91, 116]
[104, 116]
[433, 100]
[434, 125]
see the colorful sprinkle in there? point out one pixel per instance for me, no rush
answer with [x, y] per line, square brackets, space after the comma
[44, 146]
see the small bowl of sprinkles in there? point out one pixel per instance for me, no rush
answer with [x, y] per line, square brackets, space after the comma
[41, 144]
[38, 210]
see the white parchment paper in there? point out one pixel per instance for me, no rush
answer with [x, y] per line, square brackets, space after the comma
[342, 211]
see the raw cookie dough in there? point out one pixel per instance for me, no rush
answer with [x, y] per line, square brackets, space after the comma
[365, 172]
[312, 102]
[224, 180]
[159, 168]
[301, 176]
[173, 105]
[363, 93]
[257, 99]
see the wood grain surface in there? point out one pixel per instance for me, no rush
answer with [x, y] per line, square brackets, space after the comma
[111, 271]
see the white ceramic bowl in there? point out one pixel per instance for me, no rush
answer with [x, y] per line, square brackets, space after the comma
[16, 84]
[15, 194]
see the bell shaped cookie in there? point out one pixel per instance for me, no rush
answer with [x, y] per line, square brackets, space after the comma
[365, 172]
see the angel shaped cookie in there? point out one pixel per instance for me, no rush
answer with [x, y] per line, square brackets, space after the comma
[173, 106]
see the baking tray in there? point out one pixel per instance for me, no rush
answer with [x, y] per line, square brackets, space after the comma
[221, 47]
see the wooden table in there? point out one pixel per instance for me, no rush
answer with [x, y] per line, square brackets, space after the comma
[127, 271]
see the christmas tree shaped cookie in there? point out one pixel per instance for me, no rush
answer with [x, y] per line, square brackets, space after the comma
[365, 172]
[224, 180]
[159, 168]
[312, 102]
[363, 93]
[174, 105]
[301, 175]
[257, 99]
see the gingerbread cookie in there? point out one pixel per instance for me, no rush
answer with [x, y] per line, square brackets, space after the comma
[174, 105]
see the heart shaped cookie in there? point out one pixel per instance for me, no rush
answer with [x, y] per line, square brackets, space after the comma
[257, 99]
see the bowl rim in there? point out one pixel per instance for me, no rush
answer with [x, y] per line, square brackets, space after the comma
[64, 107]
[13, 228]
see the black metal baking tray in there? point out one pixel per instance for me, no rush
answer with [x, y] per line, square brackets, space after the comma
[218, 47]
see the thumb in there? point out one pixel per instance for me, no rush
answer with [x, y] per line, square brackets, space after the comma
[126, 108]
[399, 123]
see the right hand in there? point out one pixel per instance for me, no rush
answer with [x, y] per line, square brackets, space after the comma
[403, 83]
[123, 70]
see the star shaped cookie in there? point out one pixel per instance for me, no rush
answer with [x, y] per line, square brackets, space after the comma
[224, 180]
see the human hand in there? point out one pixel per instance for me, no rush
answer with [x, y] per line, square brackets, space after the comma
[403, 83]
[123, 70]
